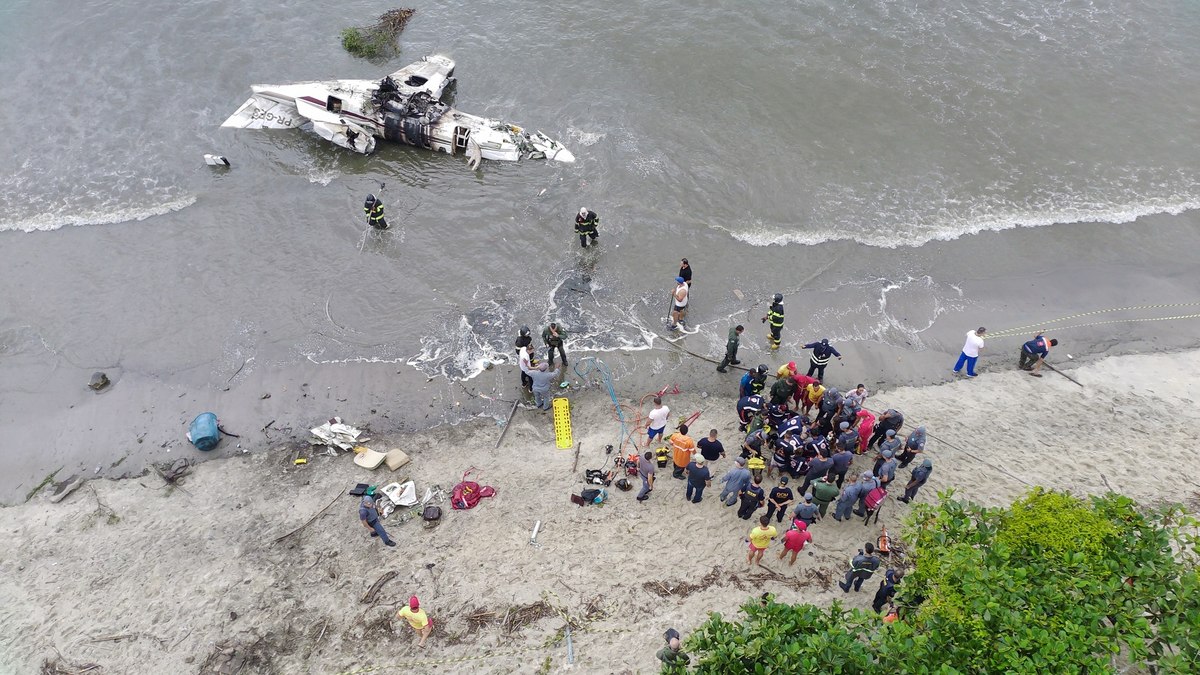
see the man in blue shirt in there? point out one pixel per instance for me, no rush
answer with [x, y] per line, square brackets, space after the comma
[710, 447]
[735, 480]
[753, 381]
[698, 478]
[1033, 354]
[370, 520]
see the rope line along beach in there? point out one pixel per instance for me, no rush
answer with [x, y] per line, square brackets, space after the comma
[1009, 332]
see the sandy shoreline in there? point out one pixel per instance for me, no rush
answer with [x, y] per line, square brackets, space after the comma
[51, 420]
[170, 568]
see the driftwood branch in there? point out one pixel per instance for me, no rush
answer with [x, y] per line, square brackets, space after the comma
[310, 520]
[373, 592]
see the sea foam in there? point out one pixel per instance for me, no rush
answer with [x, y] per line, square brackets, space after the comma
[946, 228]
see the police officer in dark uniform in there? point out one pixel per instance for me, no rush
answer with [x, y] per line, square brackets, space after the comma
[775, 316]
[585, 226]
[373, 207]
[821, 353]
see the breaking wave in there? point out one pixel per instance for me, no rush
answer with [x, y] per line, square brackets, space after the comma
[945, 228]
[44, 222]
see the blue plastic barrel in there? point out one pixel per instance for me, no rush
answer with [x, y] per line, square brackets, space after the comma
[203, 432]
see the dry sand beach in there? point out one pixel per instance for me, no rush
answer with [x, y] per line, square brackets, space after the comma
[136, 576]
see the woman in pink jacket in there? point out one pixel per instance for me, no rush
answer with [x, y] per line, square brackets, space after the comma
[865, 429]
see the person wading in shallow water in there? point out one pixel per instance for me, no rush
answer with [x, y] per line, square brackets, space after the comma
[553, 336]
[585, 226]
[525, 359]
[775, 316]
[373, 207]
[685, 271]
[679, 302]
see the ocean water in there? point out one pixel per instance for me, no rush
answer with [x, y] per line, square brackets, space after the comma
[900, 170]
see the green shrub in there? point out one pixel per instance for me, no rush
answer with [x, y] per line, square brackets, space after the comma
[1053, 584]
[366, 43]
[379, 39]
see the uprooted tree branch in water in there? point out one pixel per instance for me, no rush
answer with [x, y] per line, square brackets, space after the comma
[378, 39]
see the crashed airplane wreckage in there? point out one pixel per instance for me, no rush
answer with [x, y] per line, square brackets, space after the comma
[404, 107]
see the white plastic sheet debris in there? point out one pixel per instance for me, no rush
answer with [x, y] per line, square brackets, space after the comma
[336, 433]
[401, 494]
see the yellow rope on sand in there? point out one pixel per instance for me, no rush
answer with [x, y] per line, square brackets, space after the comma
[1008, 332]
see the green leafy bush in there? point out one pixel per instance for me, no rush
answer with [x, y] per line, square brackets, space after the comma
[379, 39]
[1053, 584]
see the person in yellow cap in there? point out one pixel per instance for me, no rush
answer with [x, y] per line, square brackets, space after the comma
[417, 618]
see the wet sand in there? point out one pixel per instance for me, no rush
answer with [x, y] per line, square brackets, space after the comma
[129, 574]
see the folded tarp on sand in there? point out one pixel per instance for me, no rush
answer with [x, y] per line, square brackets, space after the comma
[334, 432]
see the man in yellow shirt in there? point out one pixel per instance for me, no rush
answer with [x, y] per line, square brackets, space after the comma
[786, 370]
[418, 619]
[760, 538]
[812, 395]
[682, 449]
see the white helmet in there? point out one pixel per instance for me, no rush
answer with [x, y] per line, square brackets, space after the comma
[583, 212]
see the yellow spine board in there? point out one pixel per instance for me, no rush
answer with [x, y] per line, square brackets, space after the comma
[562, 424]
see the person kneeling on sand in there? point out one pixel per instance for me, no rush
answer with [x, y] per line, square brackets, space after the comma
[760, 539]
[795, 539]
[1033, 354]
[417, 618]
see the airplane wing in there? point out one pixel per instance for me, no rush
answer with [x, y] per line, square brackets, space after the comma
[259, 112]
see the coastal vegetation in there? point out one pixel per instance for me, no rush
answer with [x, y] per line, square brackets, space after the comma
[1052, 583]
[377, 40]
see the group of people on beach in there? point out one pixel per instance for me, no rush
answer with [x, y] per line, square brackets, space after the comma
[797, 444]
[798, 432]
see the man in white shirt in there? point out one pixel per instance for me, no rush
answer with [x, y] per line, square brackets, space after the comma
[970, 351]
[658, 421]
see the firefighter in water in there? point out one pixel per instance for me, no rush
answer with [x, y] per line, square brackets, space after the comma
[585, 226]
[775, 316]
[373, 207]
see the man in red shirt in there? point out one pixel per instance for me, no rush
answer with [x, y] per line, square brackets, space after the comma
[795, 539]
